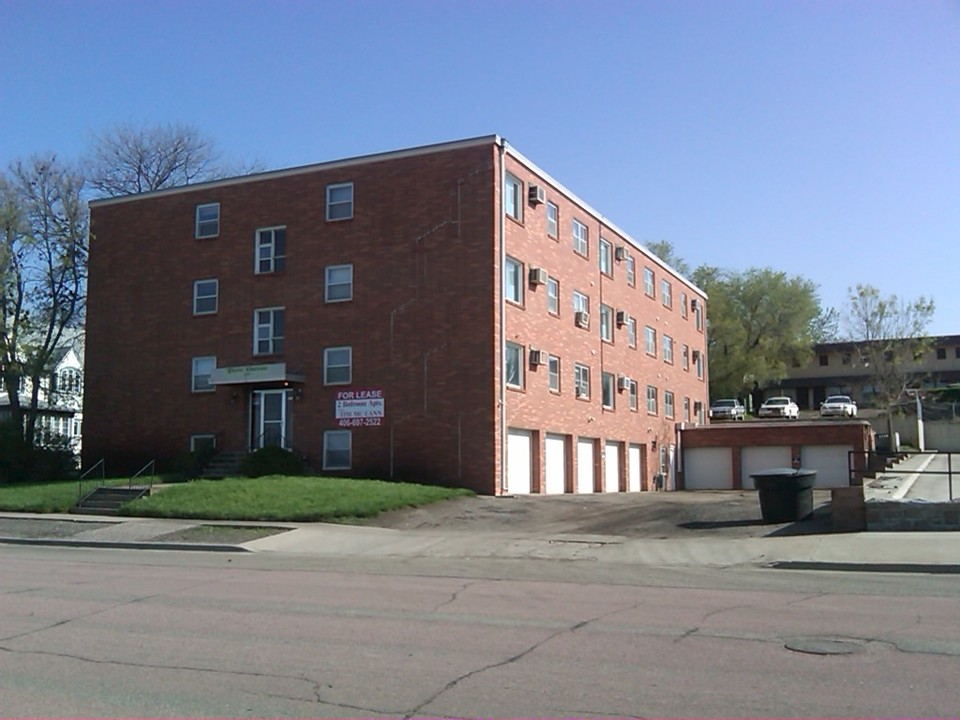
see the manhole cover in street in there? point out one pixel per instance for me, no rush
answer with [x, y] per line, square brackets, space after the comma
[824, 646]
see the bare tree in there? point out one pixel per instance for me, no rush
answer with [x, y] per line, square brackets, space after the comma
[43, 270]
[127, 160]
[891, 336]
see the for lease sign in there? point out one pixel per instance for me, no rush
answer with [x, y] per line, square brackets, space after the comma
[359, 407]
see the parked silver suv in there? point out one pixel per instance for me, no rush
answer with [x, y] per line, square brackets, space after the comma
[727, 409]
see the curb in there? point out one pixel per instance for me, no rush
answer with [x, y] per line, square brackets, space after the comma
[124, 545]
[920, 568]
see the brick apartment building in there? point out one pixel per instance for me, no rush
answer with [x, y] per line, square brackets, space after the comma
[447, 314]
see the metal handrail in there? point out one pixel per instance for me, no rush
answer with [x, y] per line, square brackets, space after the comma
[152, 466]
[868, 465]
[86, 488]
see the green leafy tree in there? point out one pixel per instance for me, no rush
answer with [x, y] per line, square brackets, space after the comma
[890, 333]
[759, 322]
[664, 250]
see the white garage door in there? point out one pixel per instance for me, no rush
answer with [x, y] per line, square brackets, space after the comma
[584, 465]
[635, 468]
[758, 459]
[611, 468]
[830, 462]
[708, 469]
[519, 461]
[556, 465]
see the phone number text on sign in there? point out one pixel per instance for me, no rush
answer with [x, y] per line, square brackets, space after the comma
[360, 422]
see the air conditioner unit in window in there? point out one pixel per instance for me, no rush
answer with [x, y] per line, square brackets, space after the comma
[623, 317]
[538, 357]
[624, 383]
[537, 195]
[538, 276]
[696, 355]
[620, 253]
[582, 319]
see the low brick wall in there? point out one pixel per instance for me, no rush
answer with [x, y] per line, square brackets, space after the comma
[912, 516]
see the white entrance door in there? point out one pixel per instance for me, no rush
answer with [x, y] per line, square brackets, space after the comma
[634, 468]
[611, 468]
[556, 464]
[584, 465]
[519, 461]
[271, 419]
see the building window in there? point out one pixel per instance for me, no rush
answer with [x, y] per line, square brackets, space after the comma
[633, 395]
[337, 365]
[685, 357]
[648, 282]
[698, 361]
[513, 280]
[956, 352]
[271, 250]
[666, 293]
[698, 317]
[686, 409]
[553, 220]
[608, 384]
[553, 296]
[340, 201]
[580, 240]
[268, 331]
[606, 323]
[336, 449]
[208, 220]
[553, 367]
[338, 283]
[651, 400]
[581, 303]
[650, 340]
[941, 353]
[632, 332]
[824, 360]
[631, 271]
[668, 404]
[514, 365]
[581, 380]
[846, 359]
[205, 296]
[68, 380]
[667, 343]
[513, 198]
[203, 367]
[203, 442]
[606, 257]
[683, 305]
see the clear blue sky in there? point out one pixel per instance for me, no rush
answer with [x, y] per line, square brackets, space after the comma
[821, 138]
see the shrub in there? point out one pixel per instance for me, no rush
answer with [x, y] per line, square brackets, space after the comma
[189, 465]
[272, 461]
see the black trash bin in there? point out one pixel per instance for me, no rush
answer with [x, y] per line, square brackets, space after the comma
[786, 495]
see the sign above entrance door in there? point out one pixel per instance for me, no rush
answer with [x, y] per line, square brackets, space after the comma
[248, 374]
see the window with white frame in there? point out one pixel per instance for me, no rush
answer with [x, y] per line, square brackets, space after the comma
[606, 257]
[651, 400]
[698, 317]
[667, 343]
[581, 380]
[513, 280]
[631, 271]
[666, 293]
[68, 380]
[553, 220]
[633, 395]
[271, 250]
[649, 280]
[606, 323]
[553, 296]
[632, 332]
[650, 340]
[553, 367]
[205, 296]
[581, 303]
[340, 201]
[698, 361]
[686, 409]
[208, 220]
[268, 331]
[683, 305]
[338, 365]
[338, 283]
[513, 197]
[608, 389]
[337, 446]
[668, 408]
[685, 357]
[513, 365]
[200, 373]
[580, 240]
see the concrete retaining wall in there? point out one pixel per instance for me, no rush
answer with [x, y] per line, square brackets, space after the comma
[912, 516]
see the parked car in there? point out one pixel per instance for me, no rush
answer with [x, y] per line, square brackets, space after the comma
[838, 406]
[727, 409]
[780, 407]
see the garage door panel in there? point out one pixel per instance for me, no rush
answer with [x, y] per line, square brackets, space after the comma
[758, 459]
[634, 468]
[556, 464]
[611, 467]
[519, 461]
[584, 465]
[831, 463]
[708, 469]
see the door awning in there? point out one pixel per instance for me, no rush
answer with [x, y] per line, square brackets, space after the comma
[252, 374]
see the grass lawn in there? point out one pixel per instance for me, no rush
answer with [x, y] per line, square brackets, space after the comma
[275, 497]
